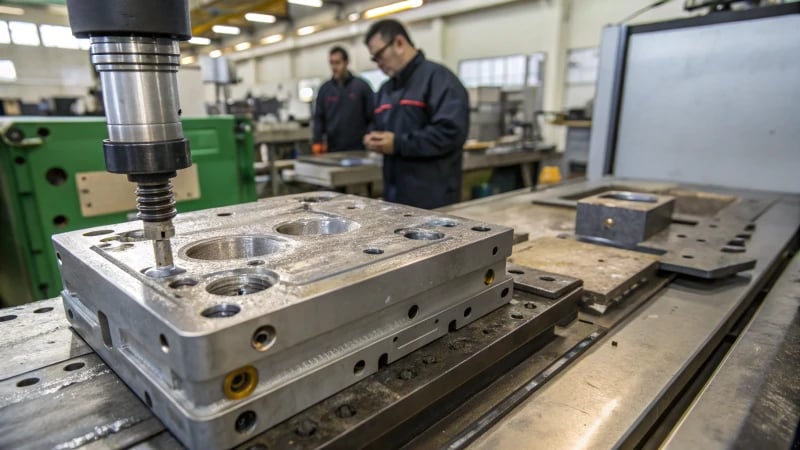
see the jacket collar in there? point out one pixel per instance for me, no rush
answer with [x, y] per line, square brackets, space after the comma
[405, 73]
[347, 79]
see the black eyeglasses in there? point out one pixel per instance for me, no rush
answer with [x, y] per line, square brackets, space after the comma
[377, 56]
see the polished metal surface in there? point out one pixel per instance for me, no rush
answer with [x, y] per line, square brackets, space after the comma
[377, 279]
[753, 399]
[140, 87]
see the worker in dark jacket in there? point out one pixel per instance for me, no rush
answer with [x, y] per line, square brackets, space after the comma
[421, 121]
[344, 108]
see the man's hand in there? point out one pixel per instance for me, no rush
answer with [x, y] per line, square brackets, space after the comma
[380, 141]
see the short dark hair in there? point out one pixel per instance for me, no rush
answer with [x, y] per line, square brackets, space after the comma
[341, 51]
[388, 29]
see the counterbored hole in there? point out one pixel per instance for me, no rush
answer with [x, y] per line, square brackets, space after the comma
[164, 343]
[27, 382]
[246, 422]
[74, 366]
[263, 338]
[358, 369]
[412, 312]
[220, 311]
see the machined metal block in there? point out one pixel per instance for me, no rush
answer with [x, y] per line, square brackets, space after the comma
[624, 218]
[282, 303]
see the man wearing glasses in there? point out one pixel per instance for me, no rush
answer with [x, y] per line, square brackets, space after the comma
[421, 121]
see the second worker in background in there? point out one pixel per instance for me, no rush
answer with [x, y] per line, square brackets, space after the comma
[344, 108]
[421, 121]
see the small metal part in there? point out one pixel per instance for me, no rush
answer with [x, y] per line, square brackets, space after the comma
[623, 217]
[240, 383]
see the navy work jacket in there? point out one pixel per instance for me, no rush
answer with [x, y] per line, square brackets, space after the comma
[427, 108]
[343, 113]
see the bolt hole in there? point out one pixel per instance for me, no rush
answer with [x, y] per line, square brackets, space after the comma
[255, 262]
[494, 251]
[246, 422]
[394, 339]
[19, 160]
[60, 221]
[601, 260]
[43, 310]
[27, 382]
[184, 282]
[701, 240]
[488, 277]
[147, 400]
[43, 132]
[69, 313]
[467, 312]
[351, 207]
[412, 312]
[681, 235]
[481, 229]
[383, 361]
[504, 293]
[7, 318]
[224, 214]
[516, 272]
[546, 278]
[358, 369]
[687, 256]
[529, 305]
[408, 215]
[263, 338]
[713, 225]
[164, 343]
[453, 326]
[56, 176]
[517, 316]
[373, 251]
[73, 366]
[99, 233]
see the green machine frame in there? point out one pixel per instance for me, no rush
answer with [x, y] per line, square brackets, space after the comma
[41, 161]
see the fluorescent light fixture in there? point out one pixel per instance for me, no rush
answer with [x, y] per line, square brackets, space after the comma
[311, 3]
[352, 17]
[225, 29]
[305, 31]
[11, 11]
[215, 53]
[260, 18]
[241, 46]
[272, 39]
[187, 60]
[391, 8]
[197, 40]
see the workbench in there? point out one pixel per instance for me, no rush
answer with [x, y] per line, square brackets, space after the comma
[685, 362]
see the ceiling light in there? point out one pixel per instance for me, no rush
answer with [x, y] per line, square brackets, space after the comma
[12, 11]
[225, 29]
[311, 3]
[187, 60]
[392, 8]
[352, 17]
[260, 18]
[197, 40]
[215, 53]
[272, 39]
[241, 46]
[306, 30]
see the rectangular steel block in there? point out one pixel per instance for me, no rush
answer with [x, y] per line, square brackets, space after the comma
[624, 218]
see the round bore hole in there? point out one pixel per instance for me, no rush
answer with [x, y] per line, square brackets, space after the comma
[220, 311]
[494, 251]
[412, 312]
[701, 240]
[147, 400]
[43, 132]
[240, 383]
[56, 176]
[164, 343]
[69, 313]
[74, 366]
[183, 282]
[358, 369]
[351, 207]
[8, 317]
[19, 160]
[687, 256]
[43, 310]
[517, 316]
[246, 422]
[317, 227]
[233, 247]
[373, 251]
[481, 228]
[681, 235]
[420, 234]
[467, 312]
[255, 262]
[601, 260]
[546, 278]
[60, 220]
[504, 293]
[224, 214]
[516, 272]
[27, 382]
[98, 233]
[408, 215]
[263, 338]
[488, 277]
[240, 284]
